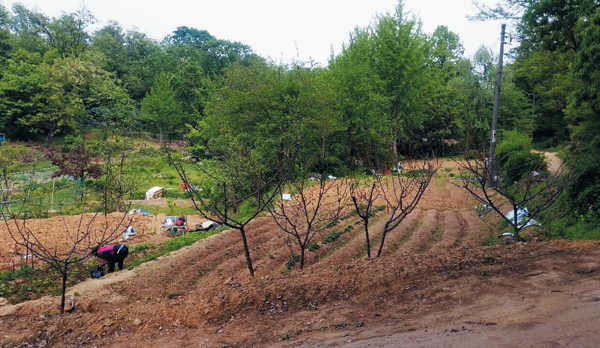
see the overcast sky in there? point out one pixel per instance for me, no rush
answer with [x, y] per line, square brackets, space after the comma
[279, 29]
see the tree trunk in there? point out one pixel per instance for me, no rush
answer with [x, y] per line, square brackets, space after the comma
[160, 136]
[367, 235]
[50, 136]
[302, 257]
[385, 231]
[247, 252]
[516, 225]
[64, 290]
[349, 149]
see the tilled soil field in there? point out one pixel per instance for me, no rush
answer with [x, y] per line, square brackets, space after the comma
[436, 284]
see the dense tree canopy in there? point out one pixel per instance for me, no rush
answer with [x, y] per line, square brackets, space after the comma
[392, 91]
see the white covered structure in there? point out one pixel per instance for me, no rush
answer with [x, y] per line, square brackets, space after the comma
[154, 192]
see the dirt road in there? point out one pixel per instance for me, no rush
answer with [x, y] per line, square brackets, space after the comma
[554, 162]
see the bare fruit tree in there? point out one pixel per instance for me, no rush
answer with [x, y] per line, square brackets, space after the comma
[402, 193]
[527, 197]
[310, 209]
[364, 193]
[80, 240]
[239, 181]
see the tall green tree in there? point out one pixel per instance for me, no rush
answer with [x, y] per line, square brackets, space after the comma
[21, 81]
[5, 38]
[546, 79]
[366, 134]
[66, 34]
[190, 37]
[160, 110]
[401, 49]
[71, 91]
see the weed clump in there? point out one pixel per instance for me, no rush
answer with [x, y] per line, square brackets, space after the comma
[313, 246]
[173, 295]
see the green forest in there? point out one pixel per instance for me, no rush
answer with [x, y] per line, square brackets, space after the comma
[394, 91]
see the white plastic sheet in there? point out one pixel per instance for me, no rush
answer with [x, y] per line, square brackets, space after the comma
[522, 216]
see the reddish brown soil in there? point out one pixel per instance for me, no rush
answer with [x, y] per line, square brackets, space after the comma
[435, 285]
[51, 232]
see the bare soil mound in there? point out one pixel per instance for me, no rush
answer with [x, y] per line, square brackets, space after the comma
[436, 284]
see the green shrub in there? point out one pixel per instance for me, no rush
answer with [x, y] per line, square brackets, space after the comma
[586, 227]
[22, 271]
[292, 261]
[515, 158]
[72, 142]
[331, 237]
[313, 246]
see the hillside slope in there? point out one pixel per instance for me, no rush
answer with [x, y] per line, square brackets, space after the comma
[434, 283]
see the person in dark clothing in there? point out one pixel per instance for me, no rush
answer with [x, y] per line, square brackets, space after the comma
[112, 254]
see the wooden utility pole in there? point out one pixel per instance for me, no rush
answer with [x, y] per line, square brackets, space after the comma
[491, 177]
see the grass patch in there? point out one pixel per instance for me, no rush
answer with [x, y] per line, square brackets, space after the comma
[142, 247]
[26, 283]
[436, 237]
[347, 216]
[173, 244]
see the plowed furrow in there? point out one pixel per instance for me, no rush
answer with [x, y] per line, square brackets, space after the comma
[422, 236]
[451, 230]
[402, 233]
[349, 246]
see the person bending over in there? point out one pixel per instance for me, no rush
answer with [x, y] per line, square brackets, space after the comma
[112, 254]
